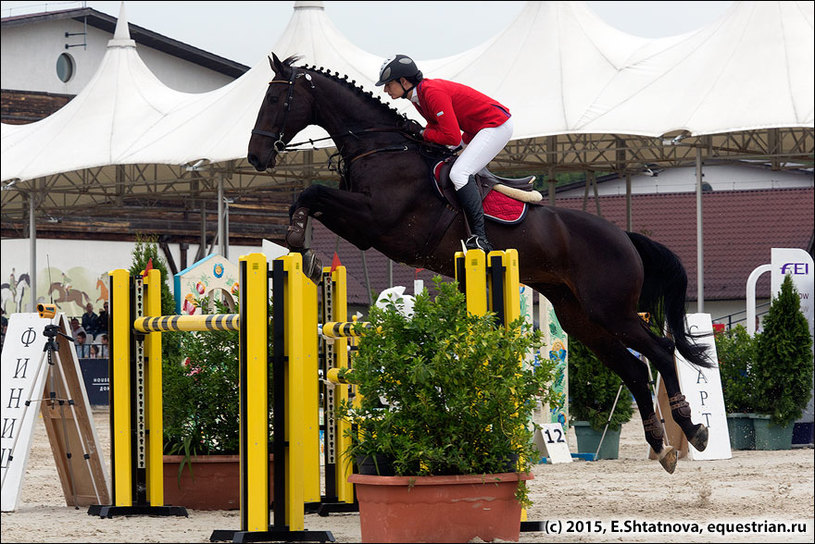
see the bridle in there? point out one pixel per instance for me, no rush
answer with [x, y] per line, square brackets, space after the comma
[279, 145]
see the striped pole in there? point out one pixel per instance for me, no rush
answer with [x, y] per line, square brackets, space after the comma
[343, 329]
[200, 323]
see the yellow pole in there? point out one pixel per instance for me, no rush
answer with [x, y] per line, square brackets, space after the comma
[475, 266]
[345, 489]
[153, 393]
[512, 286]
[119, 366]
[343, 329]
[254, 321]
[293, 349]
[310, 421]
[165, 323]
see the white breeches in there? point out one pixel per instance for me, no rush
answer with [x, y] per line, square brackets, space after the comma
[479, 152]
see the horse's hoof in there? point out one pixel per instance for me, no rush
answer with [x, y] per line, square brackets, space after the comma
[296, 233]
[312, 266]
[667, 458]
[699, 439]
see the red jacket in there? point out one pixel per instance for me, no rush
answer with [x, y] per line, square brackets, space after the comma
[452, 108]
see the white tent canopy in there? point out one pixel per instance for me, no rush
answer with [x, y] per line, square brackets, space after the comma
[558, 67]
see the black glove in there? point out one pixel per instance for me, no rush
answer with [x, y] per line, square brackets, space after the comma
[411, 127]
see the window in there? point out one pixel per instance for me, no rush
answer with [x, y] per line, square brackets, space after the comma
[65, 67]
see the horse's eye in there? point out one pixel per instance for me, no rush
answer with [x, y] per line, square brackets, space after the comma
[274, 99]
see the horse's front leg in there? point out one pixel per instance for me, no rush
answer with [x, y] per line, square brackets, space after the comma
[347, 214]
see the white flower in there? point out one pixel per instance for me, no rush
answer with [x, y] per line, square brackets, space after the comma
[396, 296]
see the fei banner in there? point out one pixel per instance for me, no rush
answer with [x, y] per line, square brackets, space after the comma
[797, 263]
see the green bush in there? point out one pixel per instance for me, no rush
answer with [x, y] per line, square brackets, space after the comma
[202, 392]
[146, 250]
[444, 392]
[736, 350]
[593, 388]
[783, 367]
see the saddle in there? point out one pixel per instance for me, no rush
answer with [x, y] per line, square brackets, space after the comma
[505, 200]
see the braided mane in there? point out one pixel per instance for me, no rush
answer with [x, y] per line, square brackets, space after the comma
[368, 96]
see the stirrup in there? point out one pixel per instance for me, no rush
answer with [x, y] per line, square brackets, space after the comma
[478, 242]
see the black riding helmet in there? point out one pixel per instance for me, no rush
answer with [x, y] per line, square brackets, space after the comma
[396, 67]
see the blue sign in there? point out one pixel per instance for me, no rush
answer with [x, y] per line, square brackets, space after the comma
[95, 376]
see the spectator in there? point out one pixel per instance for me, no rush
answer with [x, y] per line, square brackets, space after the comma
[102, 323]
[82, 349]
[103, 347]
[3, 327]
[94, 352]
[75, 327]
[90, 321]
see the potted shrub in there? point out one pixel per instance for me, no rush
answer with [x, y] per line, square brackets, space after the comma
[445, 406]
[593, 387]
[782, 370]
[736, 350]
[201, 420]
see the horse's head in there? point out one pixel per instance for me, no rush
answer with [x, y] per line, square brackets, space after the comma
[285, 111]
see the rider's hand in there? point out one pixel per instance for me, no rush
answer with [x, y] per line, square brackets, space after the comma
[411, 127]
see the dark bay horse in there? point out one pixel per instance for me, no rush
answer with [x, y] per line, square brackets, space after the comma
[596, 275]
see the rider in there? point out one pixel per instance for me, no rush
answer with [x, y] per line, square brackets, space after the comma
[451, 109]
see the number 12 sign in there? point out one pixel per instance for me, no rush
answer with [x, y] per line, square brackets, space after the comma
[555, 446]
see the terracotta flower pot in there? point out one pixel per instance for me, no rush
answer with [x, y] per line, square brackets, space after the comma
[438, 508]
[213, 485]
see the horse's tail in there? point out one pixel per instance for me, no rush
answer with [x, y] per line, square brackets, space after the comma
[663, 293]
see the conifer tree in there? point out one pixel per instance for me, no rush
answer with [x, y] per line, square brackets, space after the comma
[592, 390]
[146, 250]
[783, 368]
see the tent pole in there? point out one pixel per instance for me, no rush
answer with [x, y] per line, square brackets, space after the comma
[221, 245]
[629, 221]
[700, 258]
[32, 237]
[226, 229]
[202, 244]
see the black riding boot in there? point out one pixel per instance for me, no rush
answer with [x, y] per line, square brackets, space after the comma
[470, 200]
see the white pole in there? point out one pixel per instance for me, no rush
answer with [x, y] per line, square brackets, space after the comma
[700, 259]
[32, 237]
[751, 296]
[221, 245]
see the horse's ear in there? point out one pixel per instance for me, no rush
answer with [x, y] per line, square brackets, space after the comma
[278, 67]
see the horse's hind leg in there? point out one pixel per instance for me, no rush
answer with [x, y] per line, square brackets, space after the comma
[659, 351]
[616, 356]
[636, 377]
